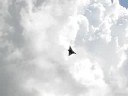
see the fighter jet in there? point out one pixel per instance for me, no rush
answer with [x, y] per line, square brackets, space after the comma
[112, 1]
[70, 51]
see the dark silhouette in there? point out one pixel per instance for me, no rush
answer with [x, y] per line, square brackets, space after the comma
[112, 1]
[70, 51]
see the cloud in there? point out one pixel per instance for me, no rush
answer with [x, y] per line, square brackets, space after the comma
[34, 39]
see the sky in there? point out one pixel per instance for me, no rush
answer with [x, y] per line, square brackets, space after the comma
[124, 3]
[34, 39]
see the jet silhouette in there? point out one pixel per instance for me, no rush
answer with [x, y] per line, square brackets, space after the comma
[112, 1]
[70, 51]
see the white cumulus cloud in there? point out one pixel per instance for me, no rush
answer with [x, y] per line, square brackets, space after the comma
[34, 39]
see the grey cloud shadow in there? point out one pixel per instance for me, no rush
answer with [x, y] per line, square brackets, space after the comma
[11, 79]
[13, 20]
[39, 3]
